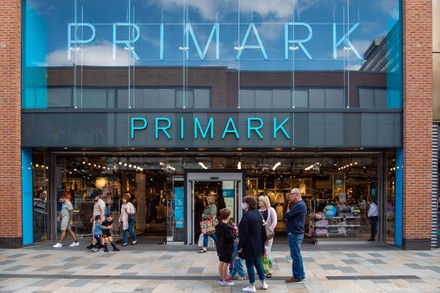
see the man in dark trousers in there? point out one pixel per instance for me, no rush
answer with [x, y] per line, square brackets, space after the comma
[295, 220]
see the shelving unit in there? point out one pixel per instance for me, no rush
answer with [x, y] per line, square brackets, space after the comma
[342, 225]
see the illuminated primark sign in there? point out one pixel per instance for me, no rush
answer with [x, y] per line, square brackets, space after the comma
[163, 126]
[289, 43]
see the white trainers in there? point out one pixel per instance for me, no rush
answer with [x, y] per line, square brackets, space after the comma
[134, 242]
[264, 286]
[249, 289]
[58, 245]
[74, 244]
[227, 283]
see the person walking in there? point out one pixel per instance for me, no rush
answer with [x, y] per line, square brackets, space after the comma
[373, 215]
[65, 220]
[270, 216]
[127, 220]
[209, 214]
[251, 242]
[98, 210]
[295, 220]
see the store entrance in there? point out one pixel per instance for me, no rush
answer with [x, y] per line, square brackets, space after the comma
[226, 188]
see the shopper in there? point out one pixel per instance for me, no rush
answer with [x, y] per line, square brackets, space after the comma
[106, 233]
[98, 210]
[251, 242]
[225, 246]
[209, 214]
[270, 216]
[236, 266]
[373, 215]
[97, 235]
[295, 220]
[127, 220]
[65, 220]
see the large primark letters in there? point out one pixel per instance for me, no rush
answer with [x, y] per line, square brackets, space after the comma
[162, 125]
[129, 44]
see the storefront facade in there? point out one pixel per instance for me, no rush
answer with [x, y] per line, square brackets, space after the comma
[172, 101]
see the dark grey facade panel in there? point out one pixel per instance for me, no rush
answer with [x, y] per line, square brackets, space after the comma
[212, 130]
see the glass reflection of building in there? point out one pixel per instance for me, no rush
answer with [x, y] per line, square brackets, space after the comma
[128, 99]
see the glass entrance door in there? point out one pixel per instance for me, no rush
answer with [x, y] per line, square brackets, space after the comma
[226, 187]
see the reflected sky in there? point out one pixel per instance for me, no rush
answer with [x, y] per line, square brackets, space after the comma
[245, 34]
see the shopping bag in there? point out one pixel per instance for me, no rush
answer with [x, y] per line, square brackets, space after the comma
[211, 242]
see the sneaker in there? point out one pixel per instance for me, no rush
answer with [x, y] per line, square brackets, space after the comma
[94, 249]
[227, 283]
[101, 250]
[269, 275]
[249, 289]
[115, 248]
[58, 245]
[293, 280]
[264, 286]
[76, 243]
[106, 249]
[220, 282]
[90, 246]
[134, 242]
[124, 244]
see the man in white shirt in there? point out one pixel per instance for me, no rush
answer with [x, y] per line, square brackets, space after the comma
[373, 214]
[98, 209]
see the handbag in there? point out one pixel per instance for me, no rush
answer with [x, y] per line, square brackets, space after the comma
[208, 226]
[269, 233]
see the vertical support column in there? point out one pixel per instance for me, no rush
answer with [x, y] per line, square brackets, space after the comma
[417, 126]
[10, 124]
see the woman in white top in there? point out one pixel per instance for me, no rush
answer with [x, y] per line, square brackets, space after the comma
[127, 220]
[270, 216]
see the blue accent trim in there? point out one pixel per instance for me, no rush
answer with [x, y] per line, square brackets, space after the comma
[398, 231]
[27, 200]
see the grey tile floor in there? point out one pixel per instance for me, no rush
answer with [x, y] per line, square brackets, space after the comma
[330, 267]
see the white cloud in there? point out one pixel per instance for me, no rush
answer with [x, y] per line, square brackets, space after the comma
[390, 7]
[211, 9]
[93, 55]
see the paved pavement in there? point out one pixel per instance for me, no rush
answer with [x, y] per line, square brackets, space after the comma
[330, 267]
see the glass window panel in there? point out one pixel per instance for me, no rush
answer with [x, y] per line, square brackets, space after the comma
[281, 99]
[111, 93]
[301, 99]
[366, 98]
[263, 99]
[59, 97]
[380, 98]
[151, 98]
[334, 98]
[122, 99]
[202, 98]
[93, 98]
[166, 98]
[316, 98]
[247, 99]
[184, 101]
[139, 99]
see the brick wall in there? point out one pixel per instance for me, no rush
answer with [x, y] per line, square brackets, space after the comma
[10, 106]
[417, 81]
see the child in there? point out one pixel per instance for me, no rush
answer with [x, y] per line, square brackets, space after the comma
[236, 265]
[225, 246]
[97, 234]
[106, 233]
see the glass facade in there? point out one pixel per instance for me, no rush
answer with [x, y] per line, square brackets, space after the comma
[174, 85]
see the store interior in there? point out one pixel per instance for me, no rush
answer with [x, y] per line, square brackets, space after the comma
[342, 180]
